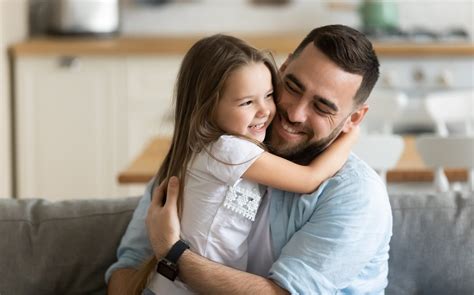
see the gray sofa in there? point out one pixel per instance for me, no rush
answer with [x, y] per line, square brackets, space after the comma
[65, 247]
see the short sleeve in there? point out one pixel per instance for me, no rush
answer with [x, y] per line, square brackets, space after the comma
[230, 157]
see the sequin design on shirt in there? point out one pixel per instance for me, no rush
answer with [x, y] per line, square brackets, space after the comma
[243, 201]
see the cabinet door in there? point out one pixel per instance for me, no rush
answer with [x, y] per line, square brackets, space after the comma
[150, 85]
[71, 120]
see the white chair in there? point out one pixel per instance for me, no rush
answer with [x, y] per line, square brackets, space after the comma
[440, 152]
[380, 151]
[385, 108]
[450, 108]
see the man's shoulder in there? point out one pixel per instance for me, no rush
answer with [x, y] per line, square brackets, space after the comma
[355, 184]
[356, 168]
[355, 181]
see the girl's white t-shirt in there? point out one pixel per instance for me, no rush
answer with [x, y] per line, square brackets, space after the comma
[218, 206]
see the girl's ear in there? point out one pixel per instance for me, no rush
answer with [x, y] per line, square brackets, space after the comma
[356, 118]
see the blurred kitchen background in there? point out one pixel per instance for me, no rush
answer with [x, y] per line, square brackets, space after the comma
[85, 84]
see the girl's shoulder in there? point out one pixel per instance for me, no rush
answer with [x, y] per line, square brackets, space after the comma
[232, 143]
[231, 150]
[226, 159]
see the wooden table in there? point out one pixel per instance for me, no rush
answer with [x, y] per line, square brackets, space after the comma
[410, 167]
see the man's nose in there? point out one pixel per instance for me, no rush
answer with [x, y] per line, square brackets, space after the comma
[297, 112]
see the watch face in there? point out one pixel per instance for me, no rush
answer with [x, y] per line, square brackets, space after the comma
[167, 269]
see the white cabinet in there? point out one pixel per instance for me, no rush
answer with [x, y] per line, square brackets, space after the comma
[149, 91]
[419, 76]
[424, 74]
[13, 28]
[80, 120]
[71, 122]
[150, 87]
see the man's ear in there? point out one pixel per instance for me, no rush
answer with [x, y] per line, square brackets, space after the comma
[285, 64]
[356, 118]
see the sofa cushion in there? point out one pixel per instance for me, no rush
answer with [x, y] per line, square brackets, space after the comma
[65, 247]
[432, 247]
[59, 247]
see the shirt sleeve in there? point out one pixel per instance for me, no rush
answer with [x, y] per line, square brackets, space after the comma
[134, 247]
[348, 227]
[230, 157]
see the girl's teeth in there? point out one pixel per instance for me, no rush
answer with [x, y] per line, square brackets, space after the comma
[257, 126]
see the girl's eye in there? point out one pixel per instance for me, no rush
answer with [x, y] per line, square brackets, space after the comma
[269, 95]
[246, 103]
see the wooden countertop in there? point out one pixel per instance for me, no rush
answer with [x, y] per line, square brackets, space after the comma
[410, 167]
[283, 43]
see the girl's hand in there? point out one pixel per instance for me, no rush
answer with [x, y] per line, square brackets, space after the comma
[352, 136]
[162, 219]
[334, 156]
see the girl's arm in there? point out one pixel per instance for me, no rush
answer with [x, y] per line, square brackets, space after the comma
[282, 174]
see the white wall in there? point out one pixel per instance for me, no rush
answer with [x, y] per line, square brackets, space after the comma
[13, 28]
[230, 16]
[241, 16]
[437, 14]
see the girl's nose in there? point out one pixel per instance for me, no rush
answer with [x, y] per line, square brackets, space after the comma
[263, 111]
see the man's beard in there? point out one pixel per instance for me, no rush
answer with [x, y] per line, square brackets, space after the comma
[305, 152]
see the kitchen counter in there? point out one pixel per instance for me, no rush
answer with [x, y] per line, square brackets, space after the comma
[282, 44]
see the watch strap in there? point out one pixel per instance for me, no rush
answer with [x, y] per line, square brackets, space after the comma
[176, 251]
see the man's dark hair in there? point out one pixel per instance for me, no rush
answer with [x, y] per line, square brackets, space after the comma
[350, 50]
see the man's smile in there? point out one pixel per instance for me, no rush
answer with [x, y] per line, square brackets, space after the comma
[287, 130]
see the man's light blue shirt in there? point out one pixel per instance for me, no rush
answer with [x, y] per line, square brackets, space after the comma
[332, 241]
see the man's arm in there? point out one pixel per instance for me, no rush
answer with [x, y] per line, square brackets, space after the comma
[207, 277]
[327, 254]
[199, 273]
[118, 282]
[134, 248]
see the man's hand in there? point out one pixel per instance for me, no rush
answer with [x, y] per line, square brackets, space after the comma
[162, 219]
[200, 274]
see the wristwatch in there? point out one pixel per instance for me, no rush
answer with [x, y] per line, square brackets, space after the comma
[168, 266]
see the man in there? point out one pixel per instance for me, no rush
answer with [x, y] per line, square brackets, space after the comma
[334, 240]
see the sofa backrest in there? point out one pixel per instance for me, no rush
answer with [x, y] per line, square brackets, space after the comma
[432, 247]
[59, 247]
[65, 247]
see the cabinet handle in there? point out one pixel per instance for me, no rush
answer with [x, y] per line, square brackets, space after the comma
[68, 62]
[419, 75]
[445, 79]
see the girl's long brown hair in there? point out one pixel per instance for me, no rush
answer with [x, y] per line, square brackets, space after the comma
[199, 85]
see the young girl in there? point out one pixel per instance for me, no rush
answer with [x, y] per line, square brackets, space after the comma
[224, 104]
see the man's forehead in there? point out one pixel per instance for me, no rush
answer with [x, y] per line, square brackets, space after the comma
[312, 70]
[310, 52]
[313, 58]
